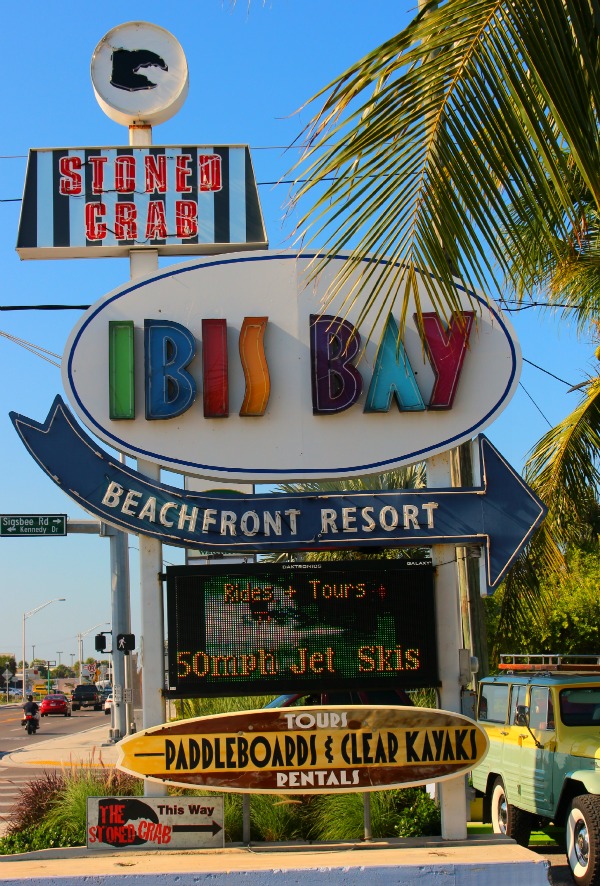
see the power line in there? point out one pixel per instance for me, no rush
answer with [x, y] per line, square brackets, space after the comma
[281, 181]
[547, 371]
[522, 386]
[44, 307]
[38, 351]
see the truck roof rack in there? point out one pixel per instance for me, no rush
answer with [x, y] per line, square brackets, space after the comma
[550, 663]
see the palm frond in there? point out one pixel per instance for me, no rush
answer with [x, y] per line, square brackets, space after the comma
[522, 600]
[409, 477]
[478, 110]
[564, 467]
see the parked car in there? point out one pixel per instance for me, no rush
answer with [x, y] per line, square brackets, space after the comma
[55, 704]
[108, 703]
[542, 717]
[86, 696]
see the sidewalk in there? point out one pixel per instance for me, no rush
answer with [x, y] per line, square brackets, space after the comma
[89, 748]
[493, 861]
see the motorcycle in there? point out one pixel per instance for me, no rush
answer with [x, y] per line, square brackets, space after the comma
[31, 723]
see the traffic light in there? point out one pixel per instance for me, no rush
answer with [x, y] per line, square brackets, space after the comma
[125, 642]
[100, 643]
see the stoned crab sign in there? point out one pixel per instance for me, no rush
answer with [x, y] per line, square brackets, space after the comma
[164, 823]
[307, 750]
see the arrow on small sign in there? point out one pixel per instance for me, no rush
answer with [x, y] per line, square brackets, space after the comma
[213, 828]
[502, 513]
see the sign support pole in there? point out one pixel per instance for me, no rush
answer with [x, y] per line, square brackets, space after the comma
[142, 262]
[121, 618]
[453, 798]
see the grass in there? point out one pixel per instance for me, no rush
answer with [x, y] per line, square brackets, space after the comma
[396, 813]
[203, 707]
[551, 836]
[52, 810]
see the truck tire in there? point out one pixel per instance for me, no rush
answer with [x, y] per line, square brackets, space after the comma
[582, 834]
[508, 819]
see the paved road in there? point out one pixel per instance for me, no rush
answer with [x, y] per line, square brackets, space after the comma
[560, 871]
[13, 737]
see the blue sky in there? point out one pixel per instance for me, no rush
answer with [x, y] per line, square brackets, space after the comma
[251, 69]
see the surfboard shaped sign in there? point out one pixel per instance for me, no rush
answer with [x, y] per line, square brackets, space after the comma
[307, 750]
[226, 368]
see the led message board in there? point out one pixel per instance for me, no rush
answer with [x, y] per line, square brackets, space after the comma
[253, 628]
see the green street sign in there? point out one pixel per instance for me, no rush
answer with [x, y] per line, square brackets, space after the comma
[26, 525]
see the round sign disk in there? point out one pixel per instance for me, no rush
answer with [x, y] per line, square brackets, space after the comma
[139, 74]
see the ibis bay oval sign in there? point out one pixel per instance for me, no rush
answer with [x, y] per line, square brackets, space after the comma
[307, 750]
[230, 368]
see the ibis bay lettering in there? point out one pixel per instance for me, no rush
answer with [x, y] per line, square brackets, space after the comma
[311, 750]
[336, 382]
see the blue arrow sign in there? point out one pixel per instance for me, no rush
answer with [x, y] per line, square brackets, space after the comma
[502, 514]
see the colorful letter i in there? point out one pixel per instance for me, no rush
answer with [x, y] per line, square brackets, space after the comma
[121, 386]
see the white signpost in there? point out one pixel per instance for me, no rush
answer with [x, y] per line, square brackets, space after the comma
[7, 675]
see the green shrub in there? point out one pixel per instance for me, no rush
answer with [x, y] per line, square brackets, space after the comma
[34, 801]
[40, 836]
[420, 817]
[424, 698]
[232, 814]
[68, 811]
[187, 708]
[276, 817]
[393, 813]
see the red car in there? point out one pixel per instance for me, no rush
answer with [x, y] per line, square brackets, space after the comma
[55, 704]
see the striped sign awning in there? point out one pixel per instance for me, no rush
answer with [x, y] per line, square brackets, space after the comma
[92, 202]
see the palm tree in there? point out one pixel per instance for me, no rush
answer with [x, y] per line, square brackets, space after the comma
[469, 144]
[411, 477]
[437, 148]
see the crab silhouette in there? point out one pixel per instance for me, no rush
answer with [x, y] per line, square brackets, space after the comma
[126, 64]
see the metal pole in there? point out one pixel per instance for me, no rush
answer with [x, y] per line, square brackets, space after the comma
[121, 619]
[367, 817]
[246, 818]
[23, 662]
[80, 654]
[453, 799]
[25, 616]
[142, 262]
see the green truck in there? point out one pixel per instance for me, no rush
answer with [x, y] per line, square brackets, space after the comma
[542, 717]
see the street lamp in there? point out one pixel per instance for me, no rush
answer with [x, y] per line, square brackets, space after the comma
[27, 615]
[80, 637]
[59, 655]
